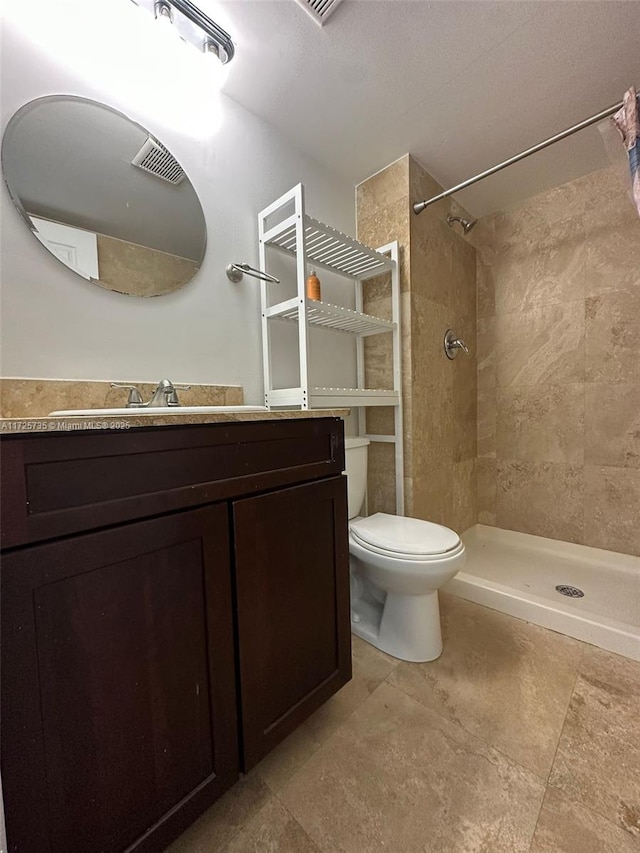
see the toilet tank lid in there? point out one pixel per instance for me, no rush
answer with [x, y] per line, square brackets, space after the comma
[355, 441]
[405, 535]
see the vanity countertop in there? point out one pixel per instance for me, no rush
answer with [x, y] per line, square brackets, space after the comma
[67, 423]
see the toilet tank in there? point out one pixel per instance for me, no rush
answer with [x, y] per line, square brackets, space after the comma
[355, 451]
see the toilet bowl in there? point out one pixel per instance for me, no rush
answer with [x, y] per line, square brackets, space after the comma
[397, 565]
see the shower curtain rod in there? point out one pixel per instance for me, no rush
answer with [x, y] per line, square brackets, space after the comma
[419, 206]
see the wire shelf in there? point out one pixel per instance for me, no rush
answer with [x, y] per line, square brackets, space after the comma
[284, 226]
[335, 317]
[328, 248]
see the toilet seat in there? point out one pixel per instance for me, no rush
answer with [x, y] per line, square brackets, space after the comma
[404, 538]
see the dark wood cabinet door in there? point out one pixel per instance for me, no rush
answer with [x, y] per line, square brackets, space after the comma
[294, 637]
[118, 684]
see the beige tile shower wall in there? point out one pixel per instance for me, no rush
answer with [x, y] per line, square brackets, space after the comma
[443, 392]
[438, 283]
[559, 366]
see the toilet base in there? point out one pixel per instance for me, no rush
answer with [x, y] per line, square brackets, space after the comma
[404, 626]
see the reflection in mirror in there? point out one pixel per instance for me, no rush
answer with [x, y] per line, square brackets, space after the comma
[104, 196]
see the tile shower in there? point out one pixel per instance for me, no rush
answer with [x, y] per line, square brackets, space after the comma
[540, 435]
[559, 366]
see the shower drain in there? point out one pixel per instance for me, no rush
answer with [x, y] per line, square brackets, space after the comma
[571, 591]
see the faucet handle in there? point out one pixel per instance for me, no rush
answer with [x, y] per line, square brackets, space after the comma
[135, 397]
[170, 393]
[452, 344]
[172, 396]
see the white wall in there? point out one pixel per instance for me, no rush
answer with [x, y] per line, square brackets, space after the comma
[55, 325]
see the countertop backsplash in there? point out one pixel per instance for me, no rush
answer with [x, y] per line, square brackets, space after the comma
[35, 398]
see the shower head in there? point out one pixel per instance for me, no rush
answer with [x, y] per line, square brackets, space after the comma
[467, 224]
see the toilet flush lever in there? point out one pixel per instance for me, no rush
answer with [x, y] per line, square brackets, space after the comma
[453, 344]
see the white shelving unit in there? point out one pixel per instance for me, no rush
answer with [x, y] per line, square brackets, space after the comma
[316, 245]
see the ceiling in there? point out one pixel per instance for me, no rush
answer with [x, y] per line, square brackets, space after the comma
[460, 85]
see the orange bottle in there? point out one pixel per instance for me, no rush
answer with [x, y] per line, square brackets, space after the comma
[313, 286]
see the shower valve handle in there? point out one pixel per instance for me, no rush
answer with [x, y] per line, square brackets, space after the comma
[452, 344]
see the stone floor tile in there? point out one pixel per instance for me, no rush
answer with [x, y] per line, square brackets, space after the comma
[598, 757]
[613, 685]
[219, 824]
[565, 826]
[399, 777]
[370, 668]
[272, 830]
[502, 679]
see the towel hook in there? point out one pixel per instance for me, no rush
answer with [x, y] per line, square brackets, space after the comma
[235, 273]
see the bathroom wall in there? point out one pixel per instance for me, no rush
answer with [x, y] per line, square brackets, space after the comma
[54, 325]
[438, 283]
[559, 365]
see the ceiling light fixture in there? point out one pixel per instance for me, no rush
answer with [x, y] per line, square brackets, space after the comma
[210, 47]
[162, 10]
[185, 15]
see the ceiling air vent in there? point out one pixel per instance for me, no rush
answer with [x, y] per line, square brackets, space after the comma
[320, 10]
[154, 158]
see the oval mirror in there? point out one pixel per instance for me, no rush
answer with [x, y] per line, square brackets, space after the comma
[103, 195]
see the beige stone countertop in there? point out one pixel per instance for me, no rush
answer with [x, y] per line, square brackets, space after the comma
[68, 423]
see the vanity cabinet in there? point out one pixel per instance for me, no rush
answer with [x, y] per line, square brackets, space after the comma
[174, 603]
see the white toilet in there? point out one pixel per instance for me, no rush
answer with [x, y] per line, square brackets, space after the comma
[397, 565]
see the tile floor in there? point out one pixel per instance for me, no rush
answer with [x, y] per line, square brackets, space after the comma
[517, 740]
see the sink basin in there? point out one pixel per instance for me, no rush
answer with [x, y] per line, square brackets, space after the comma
[158, 410]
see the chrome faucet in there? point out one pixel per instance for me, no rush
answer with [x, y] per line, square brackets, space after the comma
[165, 395]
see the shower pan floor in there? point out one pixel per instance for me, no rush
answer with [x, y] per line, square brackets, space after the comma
[517, 574]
